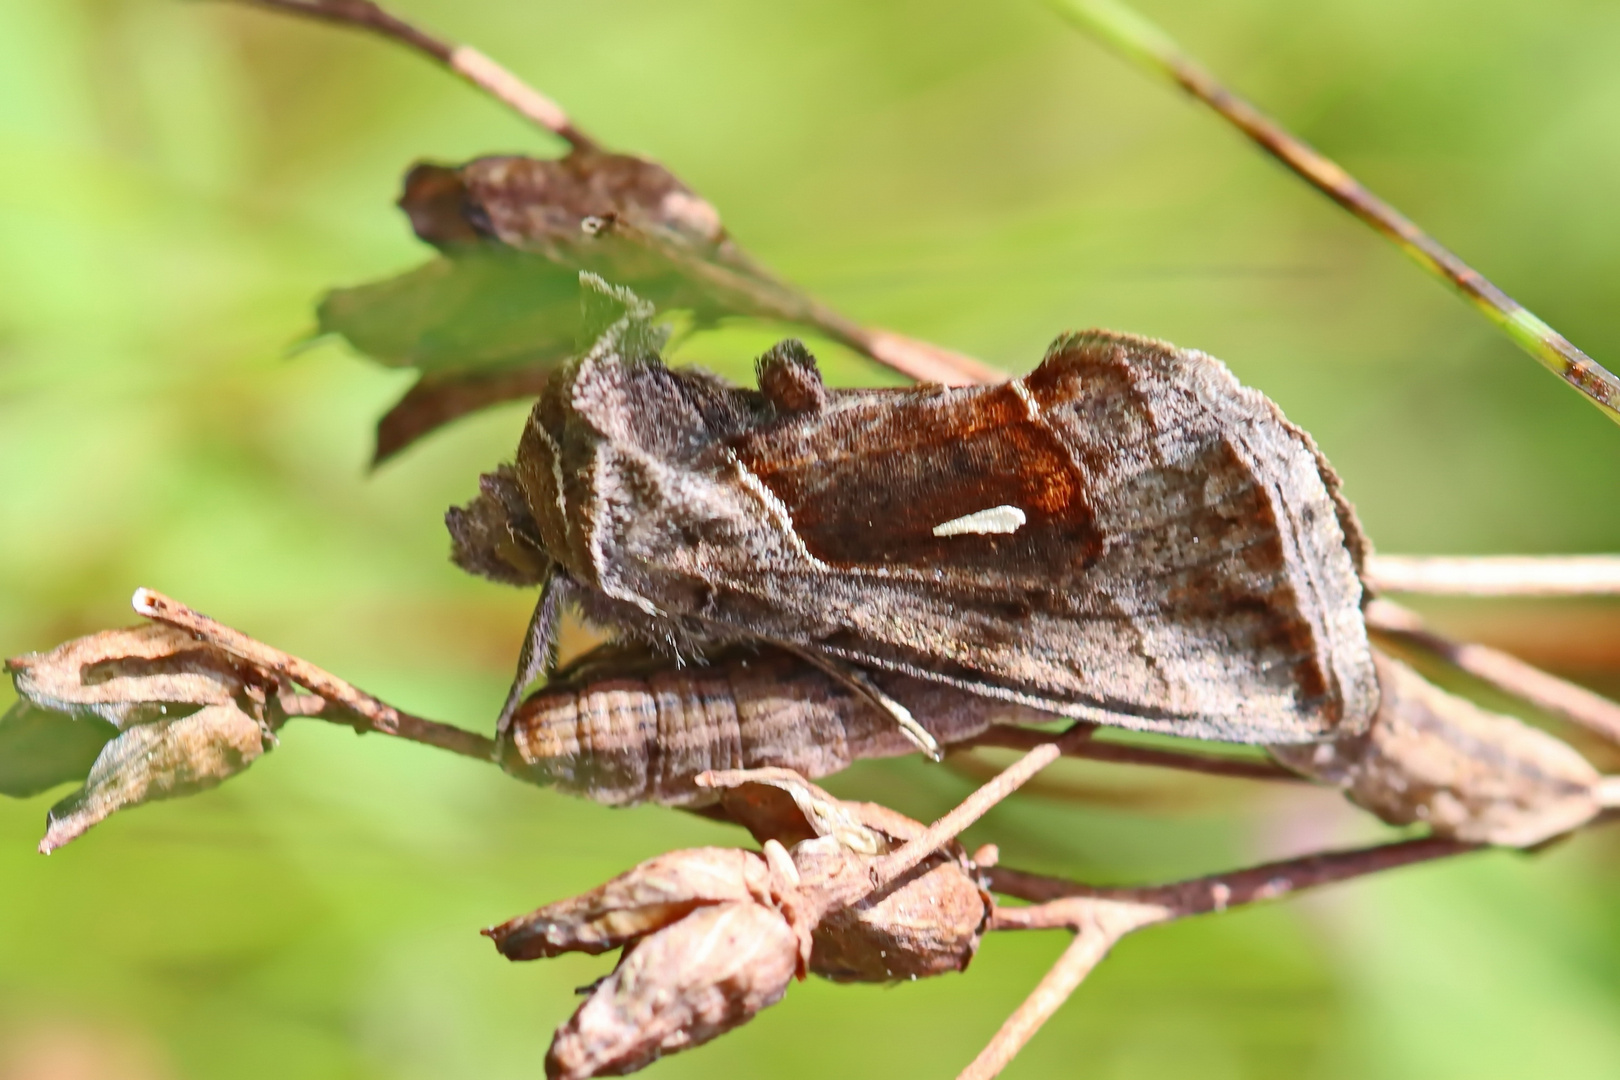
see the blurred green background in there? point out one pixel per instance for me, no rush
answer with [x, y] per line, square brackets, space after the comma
[179, 183]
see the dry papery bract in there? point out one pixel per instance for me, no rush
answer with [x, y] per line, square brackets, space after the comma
[174, 717]
[713, 935]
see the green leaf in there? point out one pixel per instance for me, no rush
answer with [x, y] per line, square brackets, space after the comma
[41, 748]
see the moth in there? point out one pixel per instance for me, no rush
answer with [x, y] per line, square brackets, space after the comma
[1126, 535]
[620, 725]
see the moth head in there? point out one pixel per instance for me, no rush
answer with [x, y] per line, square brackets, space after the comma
[495, 535]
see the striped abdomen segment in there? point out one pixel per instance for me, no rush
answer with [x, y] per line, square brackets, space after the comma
[643, 735]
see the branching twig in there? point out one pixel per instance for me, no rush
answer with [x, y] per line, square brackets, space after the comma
[1506, 672]
[376, 714]
[1214, 892]
[463, 60]
[1016, 738]
[1100, 917]
[1091, 943]
[1151, 49]
[1496, 575]
[969, 810]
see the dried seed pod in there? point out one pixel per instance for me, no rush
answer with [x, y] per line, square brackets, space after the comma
[173, 716]
[636, 903]
[121, 675]
[1469, 774]
[158, 760]
[678, 988]
[929, 922]
[779, 804]
[623, 726]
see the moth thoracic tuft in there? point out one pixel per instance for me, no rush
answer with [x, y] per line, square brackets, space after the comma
[1126, 535]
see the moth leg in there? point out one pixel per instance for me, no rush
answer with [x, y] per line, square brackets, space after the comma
[539, 655]
[862, 684]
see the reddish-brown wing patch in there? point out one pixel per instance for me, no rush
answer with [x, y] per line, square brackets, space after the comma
[867, 482]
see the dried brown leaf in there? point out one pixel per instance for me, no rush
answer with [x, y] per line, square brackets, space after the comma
[682, 986]
[439, 397]
[636, 903]
[554, 206]
[1468, 774]
[625, 218]
[158, 760]
[122, 675]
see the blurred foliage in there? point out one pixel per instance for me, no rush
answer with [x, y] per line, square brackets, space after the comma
[184, 180]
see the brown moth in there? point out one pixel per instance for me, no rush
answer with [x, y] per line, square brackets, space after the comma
[1126, 535]
[621, 726]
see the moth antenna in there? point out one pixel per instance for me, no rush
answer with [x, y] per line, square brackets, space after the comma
[539, 655]
[858, 681]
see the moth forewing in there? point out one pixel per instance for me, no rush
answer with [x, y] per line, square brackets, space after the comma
[1126, 534]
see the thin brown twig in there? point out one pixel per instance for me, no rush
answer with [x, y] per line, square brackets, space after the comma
[1212, 892]
[969, 810]
[377, 715]
[1504, 671]
[1100, 917]
[1091, 943]
[763, 292]
[463, 60]
[1016, 738]
[1149, 47]
[891, 867]
[1496, 575]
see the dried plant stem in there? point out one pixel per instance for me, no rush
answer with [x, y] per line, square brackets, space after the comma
[912, 358]
[1085, 952]
[891, 867]
[1100, 917]
[1497, 575]
[376, 714]
[969, 810]
[1151, 49]
[463, 60]
[1061, 903]
[1017, 738]
[1504, 671]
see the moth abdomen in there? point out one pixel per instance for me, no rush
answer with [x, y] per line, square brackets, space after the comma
[623, 726]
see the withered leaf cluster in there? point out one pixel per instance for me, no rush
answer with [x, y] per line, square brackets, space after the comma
[137, 715]
[1433, 758]
[498, 309]
[713, 935]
